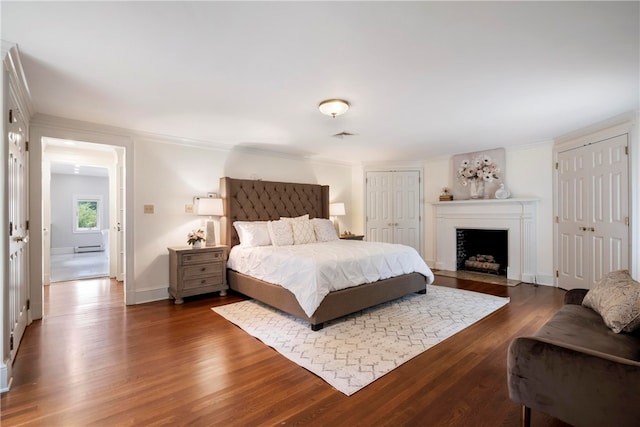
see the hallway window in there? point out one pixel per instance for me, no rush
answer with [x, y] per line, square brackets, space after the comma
[87, 213]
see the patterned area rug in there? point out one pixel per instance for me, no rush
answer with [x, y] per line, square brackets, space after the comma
[352, 352]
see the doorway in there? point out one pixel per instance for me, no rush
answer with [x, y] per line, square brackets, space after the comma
[42, 130]
[82, 233]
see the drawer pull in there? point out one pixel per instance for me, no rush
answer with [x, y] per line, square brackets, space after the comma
[203, 269]
[203, 281]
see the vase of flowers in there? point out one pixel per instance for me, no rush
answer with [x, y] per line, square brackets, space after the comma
[476, 172]
[195, 238]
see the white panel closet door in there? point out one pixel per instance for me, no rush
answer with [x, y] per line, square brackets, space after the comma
[572, 234]
[609, 213]
[406, 204]
[379, 207]
[18, 286]
[393, 207]
[593, 208]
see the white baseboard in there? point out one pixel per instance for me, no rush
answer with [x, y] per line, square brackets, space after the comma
[5, 377]
[543, 279]
[150, 295]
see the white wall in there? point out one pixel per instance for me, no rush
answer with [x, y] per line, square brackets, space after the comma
[169, 175]
[529, 173]
[63, 188]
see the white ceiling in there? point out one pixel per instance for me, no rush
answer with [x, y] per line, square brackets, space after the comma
[424, 79]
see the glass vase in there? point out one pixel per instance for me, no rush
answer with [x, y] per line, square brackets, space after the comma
[476, 189]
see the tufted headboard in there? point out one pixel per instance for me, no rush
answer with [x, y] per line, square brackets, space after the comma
[251, 200]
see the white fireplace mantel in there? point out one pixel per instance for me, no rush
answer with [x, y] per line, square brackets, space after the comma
[517, 216]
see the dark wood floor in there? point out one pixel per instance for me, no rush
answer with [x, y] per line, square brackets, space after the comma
[93, 361]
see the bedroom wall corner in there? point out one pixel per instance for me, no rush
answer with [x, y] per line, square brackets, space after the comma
[358, 199]
[437, 175]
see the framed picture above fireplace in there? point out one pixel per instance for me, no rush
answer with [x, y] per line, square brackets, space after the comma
[478, 175]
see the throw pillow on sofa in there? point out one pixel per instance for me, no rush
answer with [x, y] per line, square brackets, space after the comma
[616, 298]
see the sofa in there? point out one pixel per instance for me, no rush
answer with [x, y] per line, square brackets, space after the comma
[583, 366]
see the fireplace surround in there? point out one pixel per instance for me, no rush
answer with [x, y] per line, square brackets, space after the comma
[516, 216]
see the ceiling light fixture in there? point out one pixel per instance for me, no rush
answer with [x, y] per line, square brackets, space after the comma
[333, 107]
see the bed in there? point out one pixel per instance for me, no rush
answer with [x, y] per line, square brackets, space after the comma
[254, 200]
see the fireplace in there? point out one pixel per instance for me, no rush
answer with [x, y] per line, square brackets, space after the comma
[483, 250]
[515, 217]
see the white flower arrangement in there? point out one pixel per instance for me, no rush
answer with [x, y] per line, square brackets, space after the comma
[195, 236]
[481, 168]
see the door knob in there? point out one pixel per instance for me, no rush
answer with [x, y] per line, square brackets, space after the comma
[24, 239]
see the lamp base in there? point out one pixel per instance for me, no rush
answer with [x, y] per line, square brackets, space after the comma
[336, 225]
[209, 233]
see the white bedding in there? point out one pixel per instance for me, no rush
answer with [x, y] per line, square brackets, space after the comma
[313, 270]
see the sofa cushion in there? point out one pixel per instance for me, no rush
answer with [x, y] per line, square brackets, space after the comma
[580, 326]
[616, 297]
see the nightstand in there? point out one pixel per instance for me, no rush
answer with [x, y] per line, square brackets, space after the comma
[352, 237]
[197, 271]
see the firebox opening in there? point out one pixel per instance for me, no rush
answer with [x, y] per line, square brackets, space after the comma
[482, 250]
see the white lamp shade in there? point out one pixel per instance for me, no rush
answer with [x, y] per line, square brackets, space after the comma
[337, 209]
[209, 206]
[333, 107]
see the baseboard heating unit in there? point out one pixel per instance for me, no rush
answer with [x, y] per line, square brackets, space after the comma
[92, 248]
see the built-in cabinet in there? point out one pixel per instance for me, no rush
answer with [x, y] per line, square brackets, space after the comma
[592, 210]
[393, 207]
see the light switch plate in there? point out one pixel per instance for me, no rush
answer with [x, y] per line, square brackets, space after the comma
[149, 209]
[188, 208]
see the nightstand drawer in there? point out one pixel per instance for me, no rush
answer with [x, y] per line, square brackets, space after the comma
[201, 282]
[201, 270]
[201, 257]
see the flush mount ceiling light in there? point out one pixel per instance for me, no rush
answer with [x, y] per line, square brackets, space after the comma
[333, 107]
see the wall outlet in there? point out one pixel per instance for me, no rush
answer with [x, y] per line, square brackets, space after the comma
[188, 208]
[149, 209]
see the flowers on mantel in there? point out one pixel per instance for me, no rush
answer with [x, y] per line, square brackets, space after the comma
[195, 237]
[480, 168]
[476, 172]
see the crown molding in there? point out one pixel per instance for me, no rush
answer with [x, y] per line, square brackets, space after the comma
[11, 59]
[45, 120]
[622, 121]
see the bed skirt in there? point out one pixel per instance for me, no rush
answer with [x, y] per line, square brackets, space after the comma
[336, 304]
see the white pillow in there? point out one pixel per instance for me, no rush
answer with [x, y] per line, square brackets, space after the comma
[304, 217]
[280, 232]
[253, 233]
[324, 229]
[302, 232]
